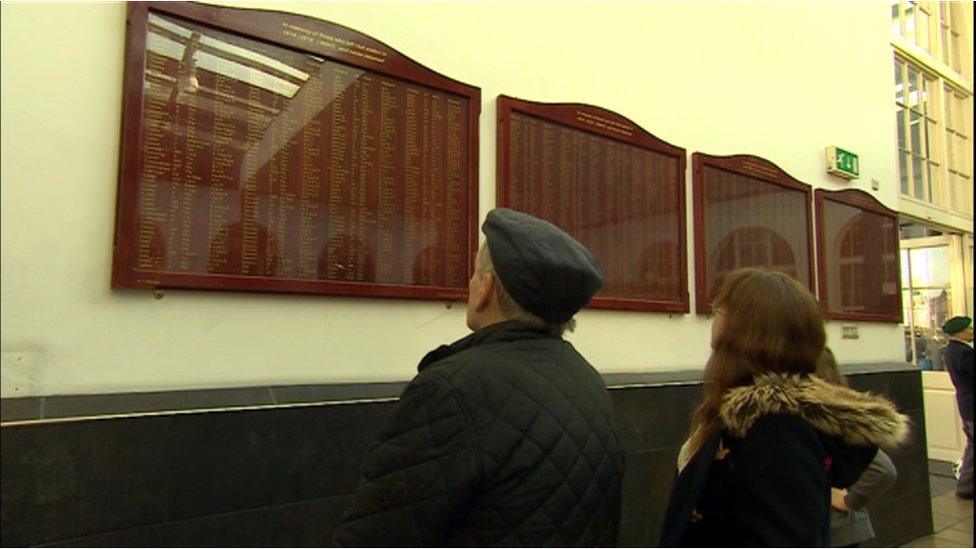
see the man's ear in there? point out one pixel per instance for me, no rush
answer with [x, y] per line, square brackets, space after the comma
[486, 291]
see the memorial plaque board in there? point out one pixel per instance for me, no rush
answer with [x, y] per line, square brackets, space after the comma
[268, 151]
[748, 213]
[857, 257]
[615, 187]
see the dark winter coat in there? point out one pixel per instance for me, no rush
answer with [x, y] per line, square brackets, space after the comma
[504, 438]
[959, 363]
[764, 478]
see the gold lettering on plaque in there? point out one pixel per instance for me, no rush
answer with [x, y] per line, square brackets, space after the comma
[604, 123]
[452, 199]
[311, 179]
[411, 182]
[757, 168]
[319, 38]
[389, 107]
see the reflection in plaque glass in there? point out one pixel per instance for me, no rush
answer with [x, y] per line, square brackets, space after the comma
[858, 254]
[748, 213]
[263, 166]
[613, 186]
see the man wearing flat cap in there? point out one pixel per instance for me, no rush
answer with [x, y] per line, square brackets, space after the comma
[505, 437]
[959, 362]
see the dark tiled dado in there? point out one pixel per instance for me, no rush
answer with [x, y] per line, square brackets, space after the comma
[14, 409]
[276, 466]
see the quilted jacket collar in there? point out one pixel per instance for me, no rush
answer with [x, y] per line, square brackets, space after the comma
[510, 330]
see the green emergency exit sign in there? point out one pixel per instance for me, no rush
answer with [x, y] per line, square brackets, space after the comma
[842, 163]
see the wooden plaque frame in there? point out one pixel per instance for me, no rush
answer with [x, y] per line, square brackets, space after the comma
[607, 125]
[861, 200]
[749, 166]
[305, 35]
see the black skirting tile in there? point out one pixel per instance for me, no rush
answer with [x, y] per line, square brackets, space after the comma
[877, 368]
[906, 389]
[20, 409]
[163, 401]
[221, 462]
[649, 418]
[321, 449]
[636, 533]
[323, 393]
[647, 488]
[284, 475]
[647, 484]
[912, 467]
[899, 520]
[308, 523]
[902, 388]
[687, 377]
[250, 528]
[71, 479]
[917, 437]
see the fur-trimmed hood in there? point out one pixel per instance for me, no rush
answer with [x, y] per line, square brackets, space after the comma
[855, 417]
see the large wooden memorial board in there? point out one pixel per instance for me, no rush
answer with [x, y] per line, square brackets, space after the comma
[616, 188]
[748, 213]
[858, 262]
[267, 151]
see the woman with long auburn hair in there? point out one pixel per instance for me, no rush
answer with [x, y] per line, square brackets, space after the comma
[770, 439]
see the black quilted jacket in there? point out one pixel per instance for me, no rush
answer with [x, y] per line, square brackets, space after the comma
[504, 438]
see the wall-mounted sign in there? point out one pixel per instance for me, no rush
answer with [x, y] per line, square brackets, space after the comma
[748, 213]
[857, 257]
[842, 163]
[612, 185]
[266, 151]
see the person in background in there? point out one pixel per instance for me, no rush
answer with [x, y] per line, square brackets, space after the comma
[959, 362]
[921, 347]
[505, 437]
[850, 525]
[909, 355]
[770, 439]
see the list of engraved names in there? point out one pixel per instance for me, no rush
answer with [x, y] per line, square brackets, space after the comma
[260, 161]
[621, 201]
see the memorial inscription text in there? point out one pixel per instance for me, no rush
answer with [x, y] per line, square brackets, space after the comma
[622, 201]
[260, 161]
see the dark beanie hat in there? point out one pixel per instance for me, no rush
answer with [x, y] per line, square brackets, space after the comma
[545, 270]
[957, 324]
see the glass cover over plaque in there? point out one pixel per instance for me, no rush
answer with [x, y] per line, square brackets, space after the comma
[613, 186]
[748, 213]
[272, 152]
[858, 257]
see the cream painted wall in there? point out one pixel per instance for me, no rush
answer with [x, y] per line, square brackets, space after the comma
[778, 80]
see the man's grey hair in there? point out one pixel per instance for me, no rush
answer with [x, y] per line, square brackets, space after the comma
[512, 310]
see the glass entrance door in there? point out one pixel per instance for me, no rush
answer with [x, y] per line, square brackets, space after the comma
[926, 298]
[936, 278]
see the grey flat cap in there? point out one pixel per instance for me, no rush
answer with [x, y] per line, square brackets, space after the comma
[545, 270]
